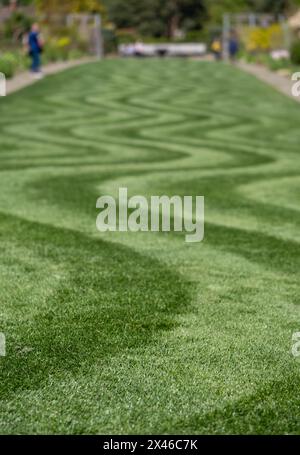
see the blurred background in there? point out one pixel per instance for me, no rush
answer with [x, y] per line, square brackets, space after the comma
[268, 31]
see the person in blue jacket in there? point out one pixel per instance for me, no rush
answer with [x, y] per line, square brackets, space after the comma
[35, 45]
[233, 46]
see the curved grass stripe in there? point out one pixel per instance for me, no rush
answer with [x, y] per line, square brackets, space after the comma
[142, 333]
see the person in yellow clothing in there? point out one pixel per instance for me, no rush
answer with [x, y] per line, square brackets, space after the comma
[216, 48]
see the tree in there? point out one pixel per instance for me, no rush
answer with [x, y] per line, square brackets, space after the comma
[156, 17]
[187, 14]
[216, 10]
[69, 6]
[17, 25]
[269, 6]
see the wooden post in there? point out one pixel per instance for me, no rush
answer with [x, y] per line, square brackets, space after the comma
[252, 20]
[286, 32]
[226, 33]
[98, 37]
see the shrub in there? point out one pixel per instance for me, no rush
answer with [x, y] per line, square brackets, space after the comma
[12, 58]
[264, 38]
[276, 65]
[56, 50]
[51, 53]
[295, 53]
[7, 67]
[126, 38]
[75, 54]
[8, 64]
[16, 26]
[195, 36]
[60, 48]
[63, 42]
[110, 40]
[63, 45]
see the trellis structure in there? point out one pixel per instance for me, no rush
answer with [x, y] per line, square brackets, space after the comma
[236, 21]
[89, 25]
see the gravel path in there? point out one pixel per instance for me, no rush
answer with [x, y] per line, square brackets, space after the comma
[281, 83]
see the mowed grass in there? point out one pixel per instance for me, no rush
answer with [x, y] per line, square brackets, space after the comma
[141, 332]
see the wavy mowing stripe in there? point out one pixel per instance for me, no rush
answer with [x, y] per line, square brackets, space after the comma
[140, 333]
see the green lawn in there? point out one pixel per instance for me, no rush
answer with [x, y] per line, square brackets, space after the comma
[142, 332]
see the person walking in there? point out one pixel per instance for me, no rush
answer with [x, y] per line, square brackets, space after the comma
[216, 48]
[35, 45]
[233, 46]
